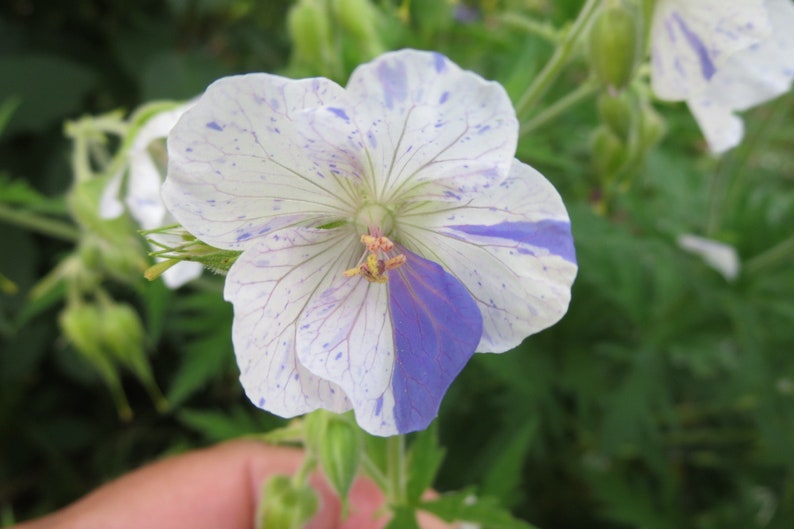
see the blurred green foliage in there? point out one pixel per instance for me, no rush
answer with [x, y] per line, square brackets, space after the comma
[663, 400]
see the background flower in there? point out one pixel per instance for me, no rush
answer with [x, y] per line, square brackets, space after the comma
[722, 57]
[142, 177]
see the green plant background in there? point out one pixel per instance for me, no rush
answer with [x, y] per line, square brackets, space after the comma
[664, 399]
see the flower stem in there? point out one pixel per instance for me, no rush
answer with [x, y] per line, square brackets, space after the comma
[560, 58]
[38, 223]
[395, 446]
[582, 92]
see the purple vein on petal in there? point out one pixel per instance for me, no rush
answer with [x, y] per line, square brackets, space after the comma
[552, 235]
[437, 326]
[706, 65]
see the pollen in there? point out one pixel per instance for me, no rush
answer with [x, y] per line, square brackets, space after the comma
[374, 267]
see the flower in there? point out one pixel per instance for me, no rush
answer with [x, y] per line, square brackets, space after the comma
[722, 57]
[386, 232]
[720, 256]
[144, 179]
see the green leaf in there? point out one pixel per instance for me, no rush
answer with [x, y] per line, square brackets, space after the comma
[465, 507]
[425, 457]
[218, 426]
[49, 89]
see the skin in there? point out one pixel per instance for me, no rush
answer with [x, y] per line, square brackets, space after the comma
[211, 488]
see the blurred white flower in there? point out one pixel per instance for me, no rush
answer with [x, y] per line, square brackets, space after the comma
[720, 256]
[722, 57]
[145, 172]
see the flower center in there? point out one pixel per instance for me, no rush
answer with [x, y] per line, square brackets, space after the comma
[378, 262]
[374, 218]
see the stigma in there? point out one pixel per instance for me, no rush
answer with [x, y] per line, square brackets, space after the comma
[377, 263]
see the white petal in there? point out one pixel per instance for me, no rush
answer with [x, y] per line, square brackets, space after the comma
[423, 119]
[270, 286]
[720, 256]
[239, 166]
[145, 176]
[182, 273]
[510, 247]
[110, 206]
[722, 129]
[692, 39]
[748, 78]
[347, 337]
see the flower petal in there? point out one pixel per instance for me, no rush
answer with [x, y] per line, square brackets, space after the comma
[426, 120]
[270, 285]
[722, 129]
[239, 167]
[691, 40]
[394, 348]
[511, 248]
[145, 176]
[720, 256]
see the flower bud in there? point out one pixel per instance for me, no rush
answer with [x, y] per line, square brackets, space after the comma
[340, 454]
[122, 334]
[615, 44]
[309, 27]
[652, 126]
[609, 152]
[284, 505]
[81, 324]
[620, 112]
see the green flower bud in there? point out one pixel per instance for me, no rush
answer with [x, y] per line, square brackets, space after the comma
[310, 30]
[652, 126]
[615, 44]
[609, 152]
[620, 112]
[283, 505]
[340, 454]
[81, 324]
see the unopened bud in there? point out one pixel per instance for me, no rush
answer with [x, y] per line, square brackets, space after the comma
[652, 126]
[609, 152]
[340, 454]
[310, 30]
[615, 44]
[81, 325]
[620, 112]
[284, 505]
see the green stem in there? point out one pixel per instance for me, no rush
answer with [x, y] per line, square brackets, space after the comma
[395, 462]
[560, 58]
[374, 472]
[771, 257]
[582, 92]
[301, 476]
[38, 223]
[543, 30]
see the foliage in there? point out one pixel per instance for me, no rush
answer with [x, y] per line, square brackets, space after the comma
[664, 399]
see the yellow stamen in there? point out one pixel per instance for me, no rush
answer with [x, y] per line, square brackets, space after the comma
[374, 268]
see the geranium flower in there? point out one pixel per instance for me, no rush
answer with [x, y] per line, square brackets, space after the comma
[144, 177]
[722, 57]
[386, 231]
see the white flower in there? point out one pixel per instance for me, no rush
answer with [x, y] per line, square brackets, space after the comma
[722, 57]
[144, 178]
[720, 256]
[464, 247]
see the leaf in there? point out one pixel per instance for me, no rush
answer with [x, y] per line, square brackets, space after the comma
[465, 507]
[218, 426]
[404, 518]
[49, 89]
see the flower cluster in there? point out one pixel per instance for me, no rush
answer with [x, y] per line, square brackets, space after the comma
[722, 57]
[144, 173]
[387, 232]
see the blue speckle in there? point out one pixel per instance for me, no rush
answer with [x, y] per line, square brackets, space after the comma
[261, 403]
[338, 355]
[214, 126]
[378, 405]
[440, 62]
[443, 98]
[338, 112]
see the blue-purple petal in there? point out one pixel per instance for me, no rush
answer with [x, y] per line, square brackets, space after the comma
[552, 235]
[437, 326]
